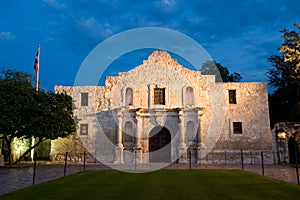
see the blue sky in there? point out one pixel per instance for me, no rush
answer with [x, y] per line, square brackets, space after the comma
[240, 35]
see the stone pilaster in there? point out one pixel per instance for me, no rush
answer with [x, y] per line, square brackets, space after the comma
[119, 146]
[182, 150]
[200, 147]
[149, 95]
[138, 149]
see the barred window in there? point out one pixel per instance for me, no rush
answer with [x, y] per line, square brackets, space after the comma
[159, 96]
[84, 99]
[83, 129]
[232, 96]
[237, 128]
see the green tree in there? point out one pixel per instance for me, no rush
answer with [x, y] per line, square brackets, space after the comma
[291, 49]
[16, 96]
[221, 73]
[51, 117]
[284, 103]
[26, 113]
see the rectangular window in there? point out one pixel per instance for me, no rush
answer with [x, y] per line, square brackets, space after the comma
[232, 96]
[84, 129]
[84, 99]
[159, 96]
[237, 128]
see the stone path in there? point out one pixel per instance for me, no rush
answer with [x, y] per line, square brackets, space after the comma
[21, 176]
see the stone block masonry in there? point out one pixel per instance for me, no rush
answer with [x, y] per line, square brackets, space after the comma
[160, 110]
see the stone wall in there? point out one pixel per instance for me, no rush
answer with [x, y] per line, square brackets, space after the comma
[107, 108]
[252, 110]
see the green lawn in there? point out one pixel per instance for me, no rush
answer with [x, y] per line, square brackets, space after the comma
[163, 184]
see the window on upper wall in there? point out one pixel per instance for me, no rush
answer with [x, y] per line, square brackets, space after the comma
[84, 99]
[84, 129]
[237, 128]
[159, 96]
[232, 96]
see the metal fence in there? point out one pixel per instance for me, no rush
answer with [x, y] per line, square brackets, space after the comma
[237, 158]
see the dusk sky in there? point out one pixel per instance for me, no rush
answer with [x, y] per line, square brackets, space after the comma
[240, 35]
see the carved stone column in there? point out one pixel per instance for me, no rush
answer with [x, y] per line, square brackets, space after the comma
[149, 95]
[119, 146]
[182, 150]
[138, 149]
[200, 147]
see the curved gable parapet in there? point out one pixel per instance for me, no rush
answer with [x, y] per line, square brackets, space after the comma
[160, 70]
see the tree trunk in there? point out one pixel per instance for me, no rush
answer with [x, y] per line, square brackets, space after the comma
[28, 150]
[9, 154]
[8, 142]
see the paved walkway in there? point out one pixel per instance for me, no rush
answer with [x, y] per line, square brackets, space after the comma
[21, 176]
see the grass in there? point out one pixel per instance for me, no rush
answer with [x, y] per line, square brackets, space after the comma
[163, 184]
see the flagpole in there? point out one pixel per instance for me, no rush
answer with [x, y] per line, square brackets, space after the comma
[38, 69]
[37, 72]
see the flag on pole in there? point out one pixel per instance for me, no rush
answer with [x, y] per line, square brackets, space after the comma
[37, 60]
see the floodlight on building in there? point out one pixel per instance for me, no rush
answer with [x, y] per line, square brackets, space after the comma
[281, 135]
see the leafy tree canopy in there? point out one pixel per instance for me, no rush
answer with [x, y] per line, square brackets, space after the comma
[285, 77]
[291, 50]
[221, 73]
[27, 113]
[16, 96]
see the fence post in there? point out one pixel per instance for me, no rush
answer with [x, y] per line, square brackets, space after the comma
[262, 163]
[65, 168]
[190, 159]
[84, 154]
[95, 158]
[242, 158]
[251, 157]
[134, 160]
[34, 168]
[225, 157]
[296, 159]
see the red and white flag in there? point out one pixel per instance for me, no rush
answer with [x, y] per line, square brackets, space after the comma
[37, 61]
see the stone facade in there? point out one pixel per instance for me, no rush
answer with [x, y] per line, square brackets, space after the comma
[160, 111]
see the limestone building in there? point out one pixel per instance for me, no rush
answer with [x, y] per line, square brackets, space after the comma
[161, 111]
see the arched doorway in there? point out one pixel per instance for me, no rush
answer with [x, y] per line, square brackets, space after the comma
[159, 145]
[293, 149]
